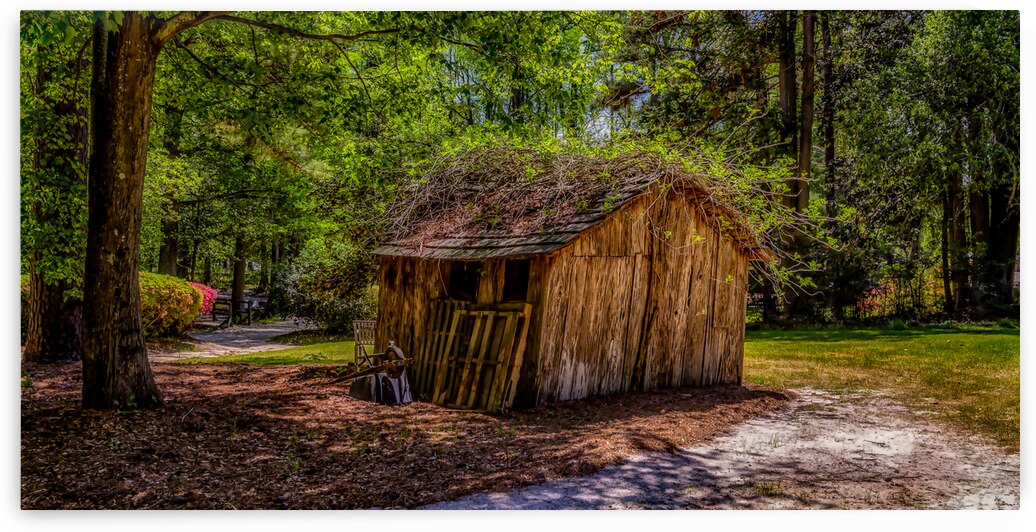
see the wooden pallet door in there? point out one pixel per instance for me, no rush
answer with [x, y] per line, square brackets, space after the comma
[482, 357]
[433, 345]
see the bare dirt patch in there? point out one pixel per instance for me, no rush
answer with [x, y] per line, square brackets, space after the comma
[826, 451]
[286, 437]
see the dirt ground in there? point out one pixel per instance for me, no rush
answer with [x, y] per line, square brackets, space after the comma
[824, 451]
[258, 437]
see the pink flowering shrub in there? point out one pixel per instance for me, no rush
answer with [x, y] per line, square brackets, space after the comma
[168, 305]
[208, 296]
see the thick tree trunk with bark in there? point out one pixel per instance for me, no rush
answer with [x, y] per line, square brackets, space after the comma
[54, 329]
[116, 371]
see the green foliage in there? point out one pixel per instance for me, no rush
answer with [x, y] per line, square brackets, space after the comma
[330, 283]
[54, 81]
[168, 305]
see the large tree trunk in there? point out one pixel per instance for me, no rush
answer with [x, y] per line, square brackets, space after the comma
[54, 329]
[116, 371]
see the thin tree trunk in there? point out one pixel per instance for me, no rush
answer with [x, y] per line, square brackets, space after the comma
[194, 259]
[264, 271]
[1004, 224]
[827, 118]
[170, 248]
[206, 276]
[947, 215]
[238, 290]
[788, 89]
[806, 132]
[116, 371]
[958, 247]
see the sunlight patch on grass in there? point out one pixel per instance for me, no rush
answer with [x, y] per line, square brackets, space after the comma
[323, 353]
[968, 375]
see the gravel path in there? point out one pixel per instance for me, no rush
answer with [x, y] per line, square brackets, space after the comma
[824, 451]
[235, 340]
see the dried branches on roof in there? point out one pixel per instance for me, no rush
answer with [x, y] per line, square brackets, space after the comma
[504, 191]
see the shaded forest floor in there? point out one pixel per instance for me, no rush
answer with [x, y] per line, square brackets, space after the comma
[251, 437]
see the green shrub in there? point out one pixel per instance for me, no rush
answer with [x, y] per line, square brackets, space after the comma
[168, 304]
[330, 285]
[897, 325]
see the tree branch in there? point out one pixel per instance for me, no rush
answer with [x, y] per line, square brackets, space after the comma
[182, 21]
[333, 37]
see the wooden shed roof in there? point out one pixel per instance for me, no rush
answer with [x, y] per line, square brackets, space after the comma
[518, 240]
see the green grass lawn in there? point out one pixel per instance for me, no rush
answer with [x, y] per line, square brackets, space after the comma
[968, 375]
[321, 353]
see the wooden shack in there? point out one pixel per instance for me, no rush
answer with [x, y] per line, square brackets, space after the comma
[641, 288]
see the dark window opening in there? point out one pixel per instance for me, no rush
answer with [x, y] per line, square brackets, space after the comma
[464, 277]
[516, 280]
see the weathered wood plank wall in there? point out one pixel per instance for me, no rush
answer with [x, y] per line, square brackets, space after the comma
[651, 298]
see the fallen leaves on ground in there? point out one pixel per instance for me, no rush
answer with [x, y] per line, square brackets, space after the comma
[267, 437]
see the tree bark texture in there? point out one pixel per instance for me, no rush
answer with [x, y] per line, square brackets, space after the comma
[116, 371]
[237, 294]
[1002, 253]
[809, 62]
[788, 88]
[828, 116]
[54, 328]
[170, 248]
[958, 246]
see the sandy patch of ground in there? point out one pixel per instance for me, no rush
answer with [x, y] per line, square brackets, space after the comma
[825, 451]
